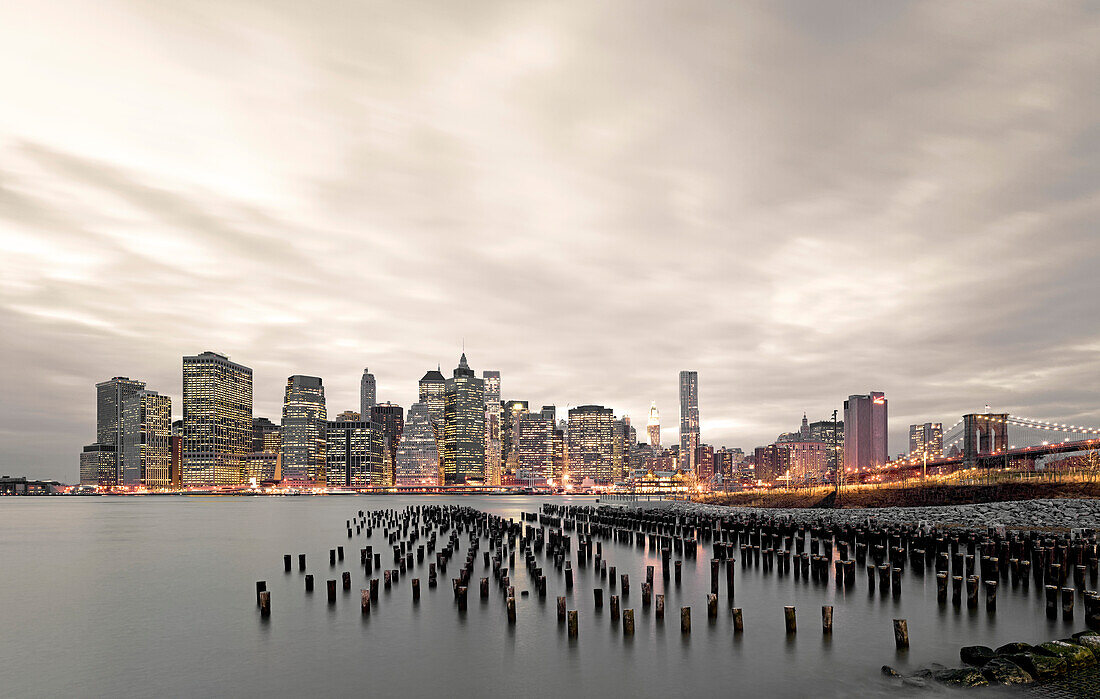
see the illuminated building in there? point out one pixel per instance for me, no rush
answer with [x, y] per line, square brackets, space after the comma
[260, 466]
[217, 420]
[464, 427]
[146, 437]
[110, 397]
[833, 437]
[353, 454]
[772, 462]
[494, 413]
[591, 441]
[689, 418]
[926, 439]
[349, 416]
[175, 477]
[549, 412]
[432, 387]
[865, 433]
[808, 461]
[417, 461]
[303, 433]
[97, 465]
[560, 463]
[265, 435]
[653, 427]
[725, 463]
[512, 410]
[534, 448]
[704, 462]
[367, 393]
[390, 418]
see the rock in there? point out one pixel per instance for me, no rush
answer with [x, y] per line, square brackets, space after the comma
[890, 672]
[1039, 666]
[1088, 632]
[1076, 656]
[1004, 671]
[976, 655]
[1090, 641]
[961, 677]
[923, 674]
[1013, 648]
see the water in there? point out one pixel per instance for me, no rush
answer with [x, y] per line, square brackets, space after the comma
[144, 596]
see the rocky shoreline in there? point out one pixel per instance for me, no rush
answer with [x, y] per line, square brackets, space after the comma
[1021, 514]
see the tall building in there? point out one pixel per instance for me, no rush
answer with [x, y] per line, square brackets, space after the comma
[217, 420]
[494, 412]
[560, 462]
[349, 416]
[146, 437]
[353, 454]
[417, 461]
[549, 412]
[511, 412]
[97, 465]
[865, 431]
[591, 438]
[367, 394]
[265, 435]
[432, 386]
[772, 462]
[832, 435]
[110, 454]
[704, 462]
[303, 434]
[653, 427]
[464, 426]
[689, 418]
[390, 418]
[926, 439]
[808, 461]
[534, 448]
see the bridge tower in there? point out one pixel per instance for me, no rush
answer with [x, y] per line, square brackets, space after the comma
[983, 433]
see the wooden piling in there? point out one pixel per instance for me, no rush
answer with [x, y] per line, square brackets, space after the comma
[511, 610]
[561, 609]
[826, 619]
[572, 623]
[332, 592]
[364, 601]
[738, 620]
[901, 634]
[416, 589]
[659, 613]
[685, 619]
[347, 580]
[265, 603]
[286, 562]
[991, 595]
[614, 608]
[628, 622]
[261, 585]
[301, 562]
[597, 593]
[462, 598]
[309, 582]
[789, 619]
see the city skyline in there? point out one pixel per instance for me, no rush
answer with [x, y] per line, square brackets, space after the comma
[861, 197]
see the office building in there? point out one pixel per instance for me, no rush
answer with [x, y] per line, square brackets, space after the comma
[110, 397]
[591, 444]
[97, 465]
[926, 440]
[653, 427]
[146, 437]
[217, 420]
[390, 418]
[265, 435]
[832, 435]
[865, 432]
[808, 462]
[534, 448]
[494, 414]
[689, 419]
[353, 454]
[303, 433]
[367, 393]
[417, 461]
[464, 427]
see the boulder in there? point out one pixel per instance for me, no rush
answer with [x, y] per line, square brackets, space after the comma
[961, 677]
[890, 672]
[976, 655]
[1076, 656]
[1013, 648]
[1039, 666]
[1090, 641]
[1004, 671]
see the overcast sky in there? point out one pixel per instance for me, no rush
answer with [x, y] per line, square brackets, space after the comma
[800, 200]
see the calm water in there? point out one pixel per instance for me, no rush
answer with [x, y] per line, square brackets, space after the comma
[136, 597]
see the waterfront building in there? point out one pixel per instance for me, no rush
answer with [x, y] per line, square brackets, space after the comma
[260, 466]
[146, 437]
[725, 463]
[511, 412]
[432, 387]
[832, 435]
[390, 418]
[772, 463]
[494, 414]
[417, 460]
[591, 444]
[175, 471]
[534, 448]
[704, 462]
[926, 440]
[110, 396]
[560, 462]
[97, 465]
[865, 431]
[265, 435]
[303, 432]
[354, 454]
[464, 427]
[217, 420]
[689, 418]
[653, 427]
[367, 393]
[808, 461]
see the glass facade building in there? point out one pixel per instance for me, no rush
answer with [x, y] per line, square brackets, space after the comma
[367, 393]
[865, 420]
[390, 419]
[353, 454]
[689, 419]
[303, 432]
[146, 437]
[591, 443]
[464, 427]
[110, 397]
[534, 448]
[417, 452]
[217, 420]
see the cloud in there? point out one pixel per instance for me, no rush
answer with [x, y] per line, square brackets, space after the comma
[798, 204]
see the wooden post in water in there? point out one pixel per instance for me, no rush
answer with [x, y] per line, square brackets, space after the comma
[561, 609]
[485, 588]
[685, 619]
[614, 607]
[789, 619]
[941, 587]
[991, 595]
[1067, 603]
[301, 562]
[679, 566]
[462, 598]
[901, 634]
[597, 593]
[286, 562]
[659, 614]
[416, 589]
[309, 582]
[572, 623]
[511, 610]
[374, 589]
[738, 620]
[265, 603]
[347, 580]
[628, 622]
[625, 579]
[712, 606]
[972, 592]
[332, 592]
[364, 601]
[826, 619]
[261, 585]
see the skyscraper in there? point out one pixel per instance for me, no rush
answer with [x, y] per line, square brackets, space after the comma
[510, 414]
[303, 434]
[653, 427]
[689, 419]
[432, 389]
[464, 426]
[417, 461]
[493, 416]
[366, 393]
[110, 454]
[390, 418]
[353, 453]
[217, 420]
[591, 438]
[833, 437]
[265, 435]
[926, 439]
[534, 448]
[146, 437]
[865, 431]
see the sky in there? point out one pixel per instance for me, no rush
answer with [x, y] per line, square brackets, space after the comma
[799, 200]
